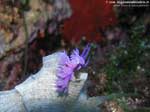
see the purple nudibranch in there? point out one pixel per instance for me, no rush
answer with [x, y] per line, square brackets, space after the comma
[68, 65]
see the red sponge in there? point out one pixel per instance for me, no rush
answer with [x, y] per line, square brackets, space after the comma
[89, 16]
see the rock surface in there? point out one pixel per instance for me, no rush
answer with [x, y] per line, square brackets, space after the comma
[38, 92]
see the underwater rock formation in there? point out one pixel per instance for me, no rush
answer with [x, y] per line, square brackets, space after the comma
[38, 93]
[16, 47]
[12, 31]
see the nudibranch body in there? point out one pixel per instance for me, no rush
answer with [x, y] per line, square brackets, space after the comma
[67, 66]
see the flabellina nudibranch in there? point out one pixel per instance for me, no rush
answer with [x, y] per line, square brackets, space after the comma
[67, 67]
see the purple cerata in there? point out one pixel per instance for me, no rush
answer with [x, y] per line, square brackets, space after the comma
[68, 65]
